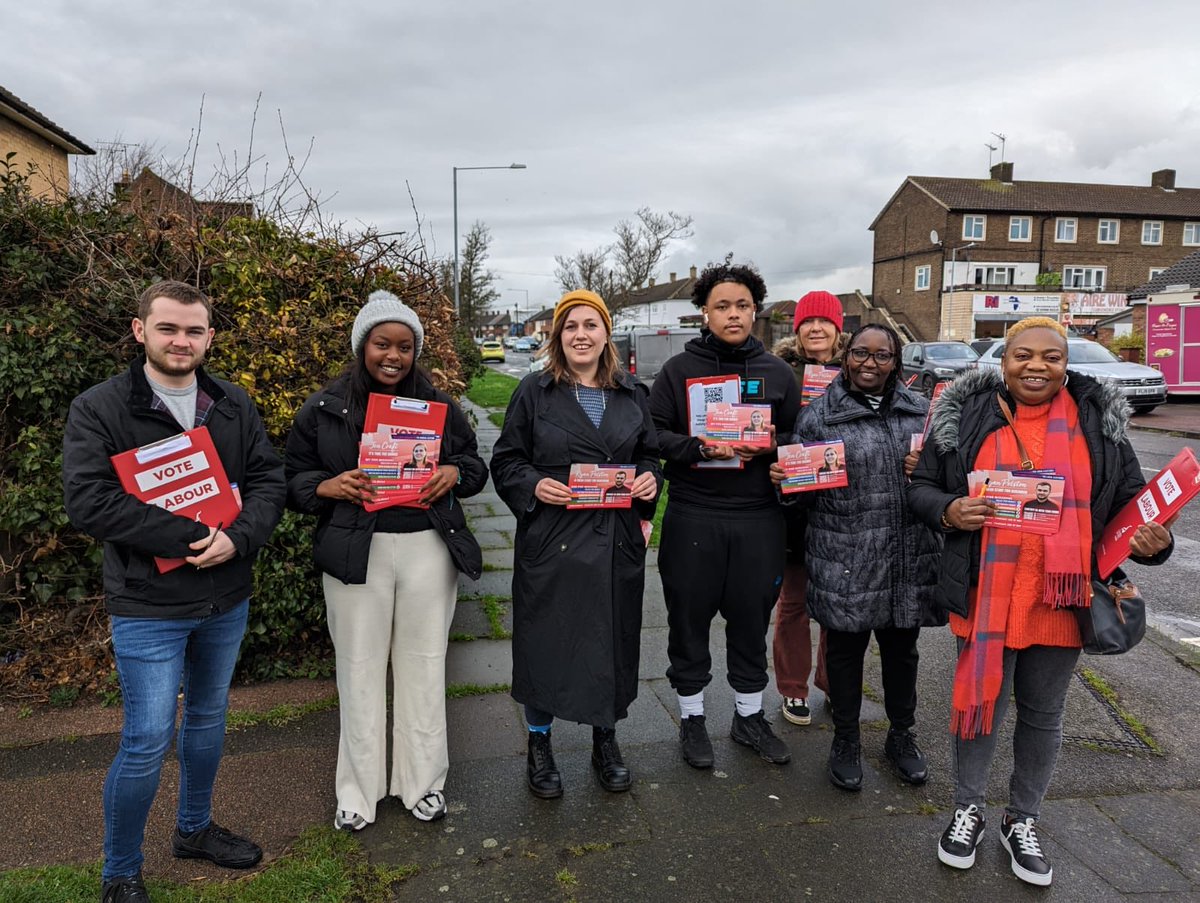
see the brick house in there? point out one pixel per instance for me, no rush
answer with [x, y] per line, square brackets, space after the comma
[538, 326]
[34, 139]
[960, 258]
[156, 200]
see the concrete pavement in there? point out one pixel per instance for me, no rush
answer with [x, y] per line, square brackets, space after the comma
[1122, 820]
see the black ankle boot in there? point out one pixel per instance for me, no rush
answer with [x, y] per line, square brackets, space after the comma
[607, 762]
[544, 780]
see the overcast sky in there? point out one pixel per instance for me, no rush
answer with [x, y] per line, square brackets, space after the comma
[781, 127]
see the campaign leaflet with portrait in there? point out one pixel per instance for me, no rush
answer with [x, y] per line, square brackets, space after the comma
[817, 378]
[701, 392]
[400, 448]
[738, 424]
[1160, 500]
[1029, 501]
[813, 465]
[601, 485]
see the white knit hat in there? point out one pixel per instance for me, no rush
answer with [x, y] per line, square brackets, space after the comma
[384, 307]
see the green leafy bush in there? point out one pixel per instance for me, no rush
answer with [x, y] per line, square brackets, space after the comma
[284, 299]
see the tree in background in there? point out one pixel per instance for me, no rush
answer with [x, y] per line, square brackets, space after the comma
[614, 271]
[476, 283]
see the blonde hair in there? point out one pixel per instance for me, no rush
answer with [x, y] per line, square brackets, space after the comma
[1034, 323]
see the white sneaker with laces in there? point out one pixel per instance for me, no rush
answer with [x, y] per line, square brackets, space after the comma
[1028, 861]
[345, 820]
[430, 807]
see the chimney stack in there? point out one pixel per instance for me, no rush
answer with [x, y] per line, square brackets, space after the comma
[651, 285]
[1003, 172]
[1164, 179]
[673, 277]
[693, 272]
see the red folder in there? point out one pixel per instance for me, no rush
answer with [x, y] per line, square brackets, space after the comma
[183, 475]
[1160, 500]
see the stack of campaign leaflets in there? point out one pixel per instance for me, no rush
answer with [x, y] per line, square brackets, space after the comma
[703, 391]
[813, 465]
[400, 449]
[817, 378]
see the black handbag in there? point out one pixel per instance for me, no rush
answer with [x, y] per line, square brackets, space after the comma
[1115, 622]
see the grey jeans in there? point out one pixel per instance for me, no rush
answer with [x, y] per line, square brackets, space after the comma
[1038, 677]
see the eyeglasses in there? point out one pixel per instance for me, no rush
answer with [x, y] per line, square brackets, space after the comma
[882, 358]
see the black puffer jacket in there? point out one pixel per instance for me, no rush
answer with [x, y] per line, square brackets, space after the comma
[870, 564]
[116, 416]
[968, 413]
[324, 443]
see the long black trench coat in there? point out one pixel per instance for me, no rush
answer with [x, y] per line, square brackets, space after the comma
[578, 574]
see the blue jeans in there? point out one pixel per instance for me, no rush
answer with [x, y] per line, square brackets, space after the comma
[154, 656]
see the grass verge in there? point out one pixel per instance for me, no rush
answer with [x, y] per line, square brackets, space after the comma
[281, 714]
[658, 517]
[459, 691]
[492, 389]
[497, 418]
[324, 866]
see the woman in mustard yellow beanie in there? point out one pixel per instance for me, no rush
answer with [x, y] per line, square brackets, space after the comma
[578, 573]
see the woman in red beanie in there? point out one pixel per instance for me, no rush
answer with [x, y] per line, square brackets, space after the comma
[818, 328]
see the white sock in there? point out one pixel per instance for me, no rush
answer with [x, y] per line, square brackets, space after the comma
[691, 705]
[748, 703]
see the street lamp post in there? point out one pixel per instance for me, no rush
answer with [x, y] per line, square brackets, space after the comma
[953, 259]
[456, 170]
[526, 293]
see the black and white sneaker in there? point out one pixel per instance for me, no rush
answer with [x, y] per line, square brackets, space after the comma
[796, 710]
[957, 846]
[1028, 862]
[430, 807]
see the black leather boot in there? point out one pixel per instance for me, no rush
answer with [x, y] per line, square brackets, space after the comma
[607, 762]
[544, 780]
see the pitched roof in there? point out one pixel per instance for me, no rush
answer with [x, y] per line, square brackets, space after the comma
[547, 314]
[987, 195]
[16, 109]
[675, 290]
[1186, 272]
[499, 320]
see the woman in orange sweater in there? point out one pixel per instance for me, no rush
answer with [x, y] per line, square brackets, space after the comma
[1010, 593]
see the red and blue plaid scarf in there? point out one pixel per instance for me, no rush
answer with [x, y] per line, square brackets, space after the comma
[1067, 583]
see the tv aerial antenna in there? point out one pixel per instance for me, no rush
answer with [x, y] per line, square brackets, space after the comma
[1002, 138]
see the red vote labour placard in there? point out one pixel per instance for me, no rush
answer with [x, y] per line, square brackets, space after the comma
[183, 475]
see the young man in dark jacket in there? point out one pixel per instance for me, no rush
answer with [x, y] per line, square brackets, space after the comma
[186, 624]
[722, 546]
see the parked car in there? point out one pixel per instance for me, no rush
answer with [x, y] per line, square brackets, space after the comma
[982, 345]
[509, 341]
[643, 350]
[1144, 387]
[492, 350]
[935, 362]
[525, 345]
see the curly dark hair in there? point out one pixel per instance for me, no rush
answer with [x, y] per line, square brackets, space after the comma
[743, 274]
[893, 338]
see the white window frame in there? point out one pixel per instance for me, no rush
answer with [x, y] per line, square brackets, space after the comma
[975, 219]
[1149, 226]
[1194, 228]
[1062, 225]
[922, 284]
[1024, 224]
[1091, 286]
[1114, 238]
[1154, 271]
[986, 269]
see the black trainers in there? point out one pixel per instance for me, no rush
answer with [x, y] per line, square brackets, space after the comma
[1028, 862]
[957, 846]
[607, 762]
[902, 751]
[755, 731]
[216, 845]
[694, 743]
[541, 772]
[129, 889]
[796, 710]
[845, 764]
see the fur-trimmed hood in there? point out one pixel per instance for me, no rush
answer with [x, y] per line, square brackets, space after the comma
[944, 428]
[787, 349]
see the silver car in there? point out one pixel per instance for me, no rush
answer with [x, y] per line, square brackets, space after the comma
[1144, 387]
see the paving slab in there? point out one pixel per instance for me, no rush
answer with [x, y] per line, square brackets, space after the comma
[481, 662]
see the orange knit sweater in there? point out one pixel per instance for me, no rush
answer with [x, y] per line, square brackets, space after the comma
[1030, 623]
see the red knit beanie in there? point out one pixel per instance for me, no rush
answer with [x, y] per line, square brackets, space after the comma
[818, 304]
